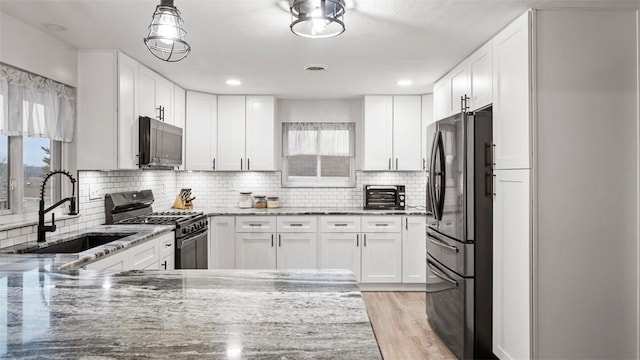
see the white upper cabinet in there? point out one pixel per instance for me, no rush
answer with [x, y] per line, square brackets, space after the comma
[441, 98]
[231, 133]
[156, 95]
[511, 97]
[459, 87]
[427, 119]
[201, 131]
[392, 133]
[108, 109]
[378, 130]
[260, 133]
[246, 128]
[480, 77]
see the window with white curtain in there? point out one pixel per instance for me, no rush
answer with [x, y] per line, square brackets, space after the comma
[318, 154]
[37, 116]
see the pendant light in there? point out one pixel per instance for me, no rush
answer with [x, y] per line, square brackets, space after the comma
[317, 19]
[166, 34]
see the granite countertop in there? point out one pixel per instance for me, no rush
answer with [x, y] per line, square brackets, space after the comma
[213, 211]
[232, 314]
[139, 234]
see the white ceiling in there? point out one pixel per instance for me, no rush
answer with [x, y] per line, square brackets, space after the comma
[250, 40]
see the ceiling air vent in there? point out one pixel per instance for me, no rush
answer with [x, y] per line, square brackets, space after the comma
[315, 67]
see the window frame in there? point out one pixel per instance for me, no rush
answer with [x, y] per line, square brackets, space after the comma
[318, 181]
[16, 175]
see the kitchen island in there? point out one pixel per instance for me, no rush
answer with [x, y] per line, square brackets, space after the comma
[232, 314]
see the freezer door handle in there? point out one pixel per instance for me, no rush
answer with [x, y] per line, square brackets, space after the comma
[441, 276]
[435, 241]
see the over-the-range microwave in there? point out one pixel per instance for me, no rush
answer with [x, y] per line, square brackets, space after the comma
[160, 144]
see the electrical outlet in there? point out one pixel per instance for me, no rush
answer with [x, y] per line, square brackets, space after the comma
[94, 192]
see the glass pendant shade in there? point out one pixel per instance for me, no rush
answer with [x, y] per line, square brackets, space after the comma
[317, 18]
[166, 33]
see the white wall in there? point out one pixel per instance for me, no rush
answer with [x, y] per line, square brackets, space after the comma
[31, 49]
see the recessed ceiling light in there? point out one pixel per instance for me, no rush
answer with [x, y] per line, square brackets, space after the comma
[404, 82]
[233, 82]
[55, 27]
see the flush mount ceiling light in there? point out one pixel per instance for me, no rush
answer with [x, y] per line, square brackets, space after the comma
[404, 82]
[317, 19]
[233, 82]
[166, 34]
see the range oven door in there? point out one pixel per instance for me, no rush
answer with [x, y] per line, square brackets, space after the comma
[191, 251]
[450, 308]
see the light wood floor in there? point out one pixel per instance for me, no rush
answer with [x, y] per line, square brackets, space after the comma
[400, 323]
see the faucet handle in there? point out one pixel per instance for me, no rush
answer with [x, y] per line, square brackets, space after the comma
[53, 222]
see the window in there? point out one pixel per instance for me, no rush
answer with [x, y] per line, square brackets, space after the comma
[36, 116]
[318, 154]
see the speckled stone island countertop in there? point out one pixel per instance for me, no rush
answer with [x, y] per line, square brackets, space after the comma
[213, 211]
[183, 314]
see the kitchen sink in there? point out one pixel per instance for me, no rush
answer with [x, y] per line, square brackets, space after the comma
[79, 244]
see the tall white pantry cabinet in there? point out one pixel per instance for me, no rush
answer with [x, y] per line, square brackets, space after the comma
[565, 129]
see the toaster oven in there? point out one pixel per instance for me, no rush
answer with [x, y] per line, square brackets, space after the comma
[384, 197]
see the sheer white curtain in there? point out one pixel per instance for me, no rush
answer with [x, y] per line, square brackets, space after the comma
[34, 106]
[325, 139]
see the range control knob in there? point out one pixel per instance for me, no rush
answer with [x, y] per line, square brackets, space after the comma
[184, 231]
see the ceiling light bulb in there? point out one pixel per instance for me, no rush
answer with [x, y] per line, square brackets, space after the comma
[404, 82]
[166, 34]
[167, 29]
[234, 82]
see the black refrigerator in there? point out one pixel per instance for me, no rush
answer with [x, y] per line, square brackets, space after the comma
[460, 233]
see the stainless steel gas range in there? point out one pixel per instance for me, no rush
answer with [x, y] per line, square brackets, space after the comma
[134, 207]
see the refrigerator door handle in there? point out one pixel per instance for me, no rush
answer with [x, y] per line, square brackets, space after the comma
[435, 241]
[442, 276]
[442, 175]
[431, 183]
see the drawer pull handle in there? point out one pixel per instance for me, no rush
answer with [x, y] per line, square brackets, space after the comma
[168, 245]
[258, 225]
[340, 225]
[382, 224]
[441, 244]
[295, 225]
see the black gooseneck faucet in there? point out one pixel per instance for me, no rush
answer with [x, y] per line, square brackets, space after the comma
[42, 228]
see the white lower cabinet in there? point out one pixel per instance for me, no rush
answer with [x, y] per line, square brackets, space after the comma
[223, 244]
[414, 249]
[255, 250]
[340, 251]
[374, 256]
[117, 262]
[293, 244]
[381, 258]
[166, 252]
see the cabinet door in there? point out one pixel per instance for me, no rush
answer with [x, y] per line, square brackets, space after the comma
[511, 96]
[382, 258]
[407, 138]
[340, 251]
[223, 245]
[480, 77]
[255, 251]
[164, 98]
[200, 132]
[511, 275]
[260, 133]
[144, 255]
[441, 99]
[147, 92]
[167, 263]
[231, 133]
[459, 87]
[427, 119]
[414, 249]
[378, 131]
[297, 251]
[179, 114]
[127, 112]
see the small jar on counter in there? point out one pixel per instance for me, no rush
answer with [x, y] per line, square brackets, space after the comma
[260, 202]
[273, 202]
[244, 201]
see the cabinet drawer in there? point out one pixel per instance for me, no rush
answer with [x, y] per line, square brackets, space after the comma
[256, 223]
[381, 224]
[144, 254]
[340, 224]
[166, 245]
[299, 224]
